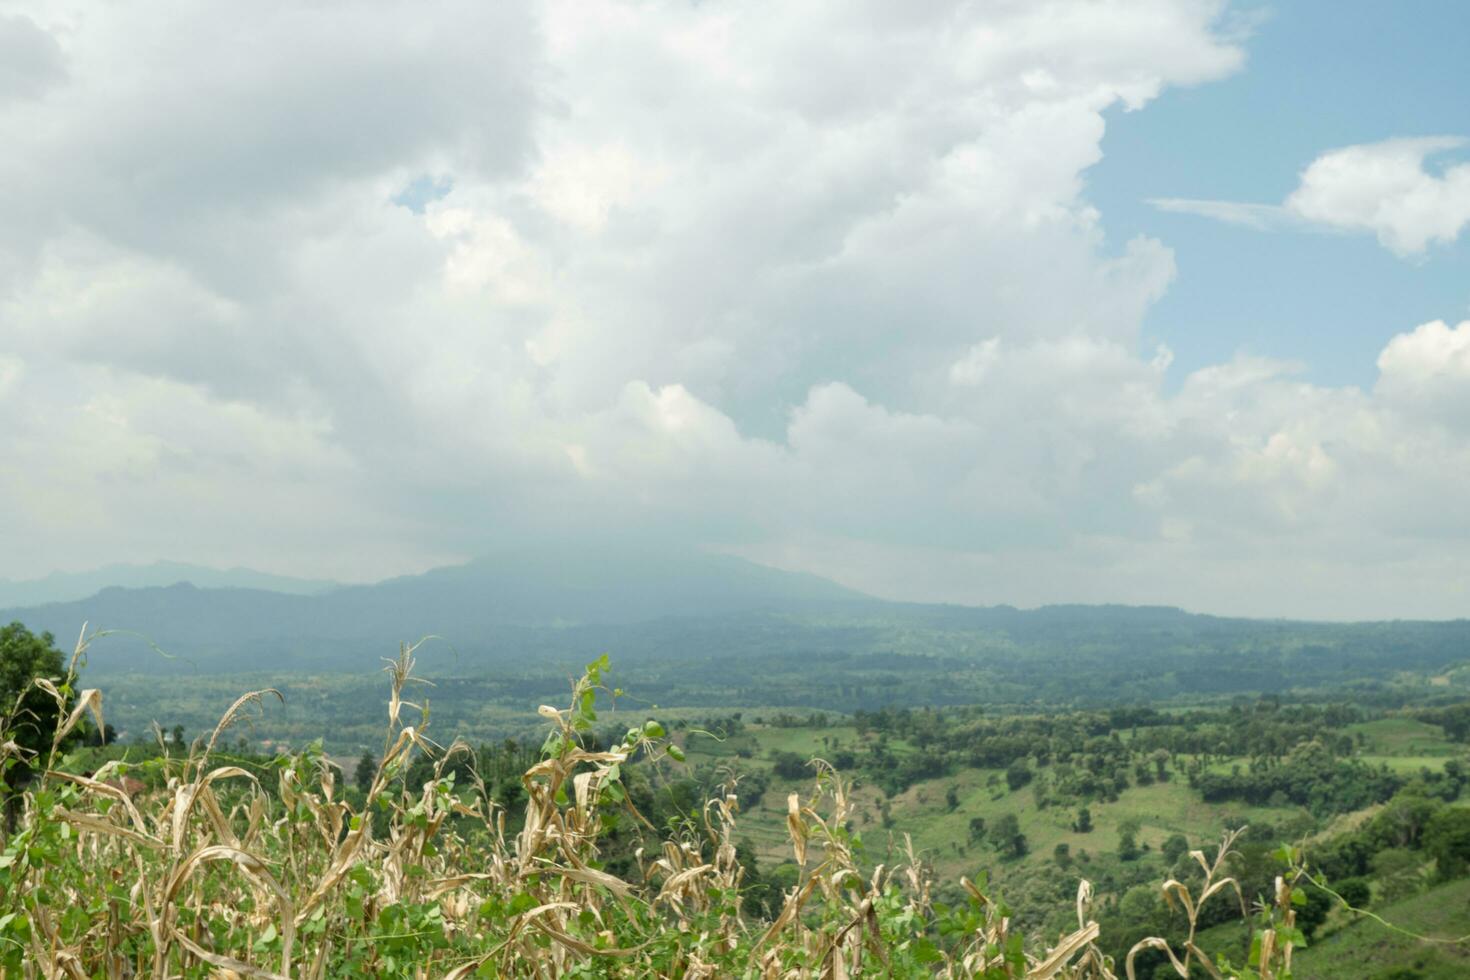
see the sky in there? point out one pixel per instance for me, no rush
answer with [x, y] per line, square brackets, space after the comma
[1022, 301]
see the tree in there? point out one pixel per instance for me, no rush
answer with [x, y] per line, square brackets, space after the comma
[1355, 891]
[1401, 823]
[977, 828]
[1017, 775]
[367, 768]
[1007, 837]
[28, 715]
[952, 798]
[1455, 772]
[1174, 848]
[1084, 821]
[1447, 839]
[1313, 912]
[1127, 844]
[1455, 720]
[1161, 764]
[179, 736]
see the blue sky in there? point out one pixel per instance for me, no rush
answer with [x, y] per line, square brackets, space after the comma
[1318, 75]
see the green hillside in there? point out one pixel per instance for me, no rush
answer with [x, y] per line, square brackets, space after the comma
[1369, 950]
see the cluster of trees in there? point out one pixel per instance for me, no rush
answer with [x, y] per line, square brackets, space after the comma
[1393, 849]
[1004, 834]
[1290, 755]
[1454, 719]
[1310, 776]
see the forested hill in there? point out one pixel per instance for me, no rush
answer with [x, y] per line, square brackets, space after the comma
[492, 605]
[711, 629]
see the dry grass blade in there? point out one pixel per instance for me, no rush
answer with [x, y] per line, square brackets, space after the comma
[238, 967]
[789, 911]
[257, 870]
[99, 825]
[232, 715]
[1153, 942]
[88, 700]
[796, 827]
[591, 876]
[578, 946]
[1064, 951]
[101, 788]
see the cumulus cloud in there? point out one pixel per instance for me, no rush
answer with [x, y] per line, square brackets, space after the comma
[353, 289]
[1426, 372]
[1384, 188]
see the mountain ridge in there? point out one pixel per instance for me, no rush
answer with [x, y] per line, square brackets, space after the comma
[519, 607]
[74, 586]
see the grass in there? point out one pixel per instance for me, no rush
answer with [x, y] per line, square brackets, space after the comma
[1403, 737]
[1368, 949]
[1408, 764]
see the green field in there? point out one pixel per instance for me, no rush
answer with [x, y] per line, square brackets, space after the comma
[942, 834]
[1402, 737]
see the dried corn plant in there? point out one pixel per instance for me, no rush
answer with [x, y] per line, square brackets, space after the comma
[217, 872]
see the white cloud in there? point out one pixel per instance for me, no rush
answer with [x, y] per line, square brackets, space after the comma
[1432, 352]
[819, 281]
[1425, 374]
[1384, 188]
[1261, 217]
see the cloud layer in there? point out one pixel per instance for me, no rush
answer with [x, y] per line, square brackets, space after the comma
[354, 289]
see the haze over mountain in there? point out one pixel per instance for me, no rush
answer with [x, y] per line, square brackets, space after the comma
[538, 609]
[511, 591]
[70, 586]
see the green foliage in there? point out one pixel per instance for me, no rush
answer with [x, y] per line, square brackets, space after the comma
[1454, 719]
[367, 768]
[789, 765]
[27, 713]
[1311, 776]
[606, 847]
[226, 869]
[1018, 774]
[1447, 839]
[1006, 836]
